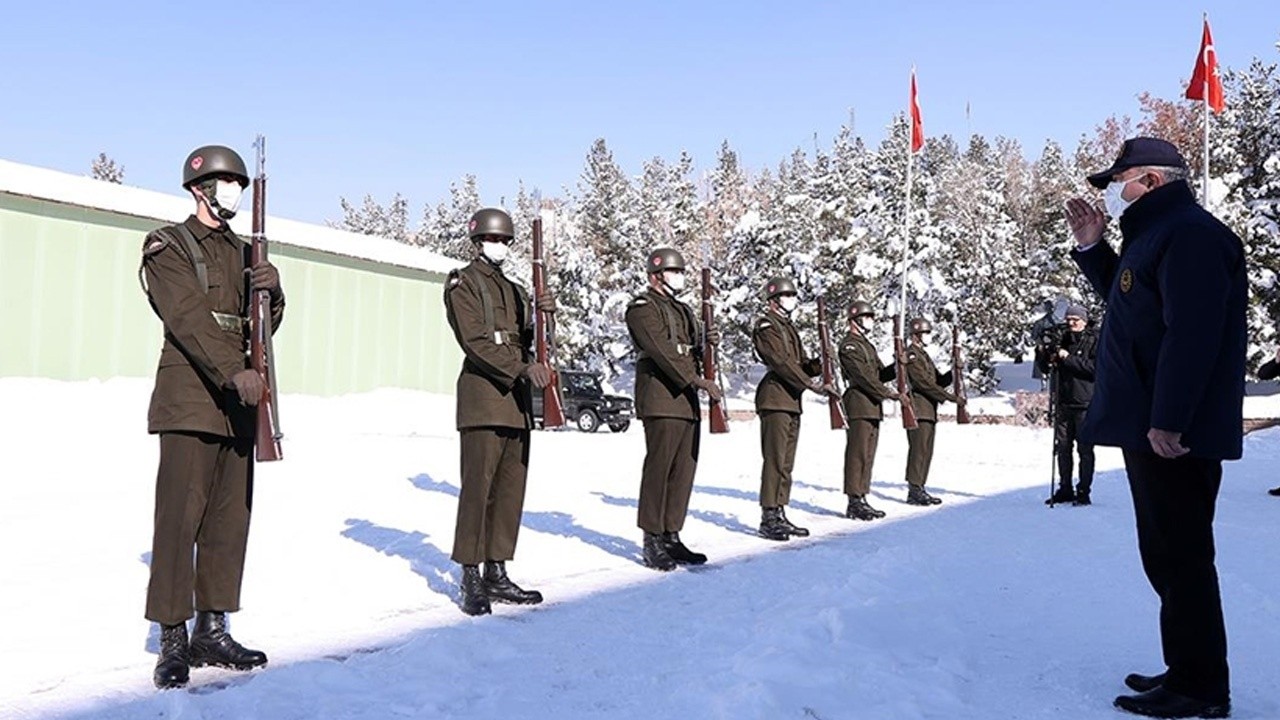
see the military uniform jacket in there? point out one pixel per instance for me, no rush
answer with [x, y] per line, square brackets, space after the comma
[193, 391]
[666, 335]
[789, 372]
[866, 376]
[493, 322]
[928, 386]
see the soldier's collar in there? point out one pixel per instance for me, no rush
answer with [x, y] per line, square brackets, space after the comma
[199, 229]
[487, 267]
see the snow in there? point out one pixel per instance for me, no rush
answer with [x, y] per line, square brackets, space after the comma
[44, 184]
[990, 606]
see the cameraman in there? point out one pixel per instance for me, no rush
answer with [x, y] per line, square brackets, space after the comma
[1067, 356]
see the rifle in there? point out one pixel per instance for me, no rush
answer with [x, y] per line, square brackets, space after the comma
[900, 371]
[718, 417]
[834, 405]
[261, 355]
[957, 378]
[543, 331]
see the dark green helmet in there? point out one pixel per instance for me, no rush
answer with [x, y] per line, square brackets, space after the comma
[491, 221]
[920, 325]
[861, 308]
[779, 286]
[213, 160]
[664, 259]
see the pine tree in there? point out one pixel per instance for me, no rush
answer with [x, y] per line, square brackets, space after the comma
[105, 168]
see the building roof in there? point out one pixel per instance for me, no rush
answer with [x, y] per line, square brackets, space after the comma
[81, 191]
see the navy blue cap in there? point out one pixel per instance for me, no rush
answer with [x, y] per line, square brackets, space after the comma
[1140, 152]
[1077, 311]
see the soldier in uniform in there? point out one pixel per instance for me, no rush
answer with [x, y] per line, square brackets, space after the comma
[790, 373]
[865, 376]
[194, 274]
[493, 324]
[928, 388]
[667, 336]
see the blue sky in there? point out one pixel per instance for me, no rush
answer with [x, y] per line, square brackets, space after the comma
[382, 97]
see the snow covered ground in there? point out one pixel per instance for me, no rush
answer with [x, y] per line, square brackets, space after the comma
[990, 606]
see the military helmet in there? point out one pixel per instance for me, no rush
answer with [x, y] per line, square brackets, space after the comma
[860, 308]
[779, 285]
[491, 221]
[920, 325]
[664, 259]
[212, 160]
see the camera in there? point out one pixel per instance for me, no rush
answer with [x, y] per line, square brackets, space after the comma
[1050, 338]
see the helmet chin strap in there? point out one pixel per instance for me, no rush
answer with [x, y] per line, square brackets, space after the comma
[208, 191]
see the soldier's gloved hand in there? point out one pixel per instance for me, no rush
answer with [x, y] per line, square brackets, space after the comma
[249, 386]
[546, 302]
[826, 389]
[540, 375]
[713, 338]
[712, 389]
[1062, 354]
[264, 276]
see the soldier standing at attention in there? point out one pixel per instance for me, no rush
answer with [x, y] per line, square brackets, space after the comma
[790, 373]
[194, 275]
[666, 337]
[866, 376]
[493, 324]
[928, 388]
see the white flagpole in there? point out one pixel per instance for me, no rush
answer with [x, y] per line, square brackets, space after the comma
[906, 215]
[1205, 180]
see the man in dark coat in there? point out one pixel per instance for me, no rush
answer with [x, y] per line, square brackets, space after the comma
[1070, 362]
[203, 410]
[1169, 393]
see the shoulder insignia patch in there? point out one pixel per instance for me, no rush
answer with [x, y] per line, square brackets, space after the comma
[763, 324]
[455, 277]
[850, 346]
[155, 246]
[637, 302]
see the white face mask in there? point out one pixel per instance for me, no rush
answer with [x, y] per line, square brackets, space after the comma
[865, 322]
[495, 251]
[1112, 198]
[788, 303]
[673, 280]
[228, 194]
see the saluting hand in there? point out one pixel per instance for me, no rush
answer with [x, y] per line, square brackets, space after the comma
[540, 375]
[1167, 444]
[1086, 221]
[264, 276]
[713, 390]
[249, 386]
[546, 302]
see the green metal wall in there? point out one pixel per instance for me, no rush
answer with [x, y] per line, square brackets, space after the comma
[71, 308]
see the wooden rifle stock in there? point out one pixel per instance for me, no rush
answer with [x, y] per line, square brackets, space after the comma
[957, 379]
[834, 404]
[716, 414]
[900, 371]
[552, 408]
[267, 435]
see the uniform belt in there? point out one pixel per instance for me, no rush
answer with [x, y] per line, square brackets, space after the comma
[229, 323]
[505, 337]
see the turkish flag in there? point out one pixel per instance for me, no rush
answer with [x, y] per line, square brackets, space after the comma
[917, 124]
[1206, 74]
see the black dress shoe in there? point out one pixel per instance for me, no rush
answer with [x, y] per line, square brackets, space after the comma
[211, 644]
[1161, 703]
[1143, 683]
[1274, 491]
[1061, 495]
[1082, 498]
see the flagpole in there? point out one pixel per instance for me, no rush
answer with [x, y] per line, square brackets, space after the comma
[906, 215]
[1205, 179]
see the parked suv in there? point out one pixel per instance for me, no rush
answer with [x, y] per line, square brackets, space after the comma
[586, 405]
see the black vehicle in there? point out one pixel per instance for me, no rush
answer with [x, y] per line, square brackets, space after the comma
[586, 405]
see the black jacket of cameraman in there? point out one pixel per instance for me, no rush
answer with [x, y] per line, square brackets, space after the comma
[1075, 371]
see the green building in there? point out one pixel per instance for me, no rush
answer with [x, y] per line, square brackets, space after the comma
[363, 312]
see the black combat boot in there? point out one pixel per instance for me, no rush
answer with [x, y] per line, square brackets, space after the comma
[792, 529]
[772, 526]
[678, 551]
[1062, 495]
[1161, 703]
[500, 589]
[474, 599]
[211, 644]
[655, 553]
[860, 510]
[173, 667]
[933, 499]
[917, 496]
[1275, 491]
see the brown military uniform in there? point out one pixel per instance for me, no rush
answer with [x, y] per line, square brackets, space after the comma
[204, 486]
[863, 402]
[493, 322]
[928, 388]
[666, 334]
[778, 402]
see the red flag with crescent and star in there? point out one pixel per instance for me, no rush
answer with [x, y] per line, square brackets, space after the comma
[917, 124]
[1205, 76]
